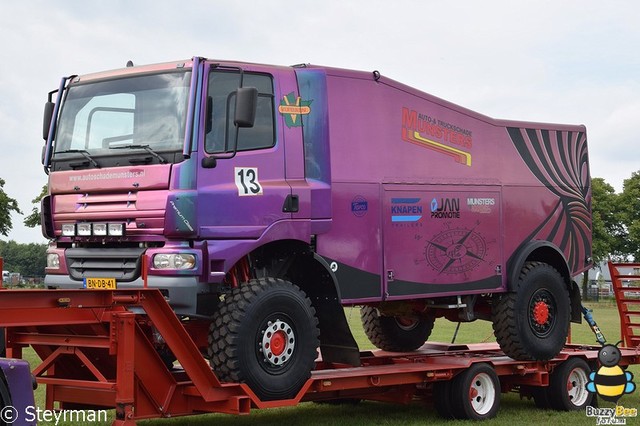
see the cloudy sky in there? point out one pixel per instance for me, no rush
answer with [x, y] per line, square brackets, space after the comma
[559, 61]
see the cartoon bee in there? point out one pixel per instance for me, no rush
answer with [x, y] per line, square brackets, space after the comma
[610, 382]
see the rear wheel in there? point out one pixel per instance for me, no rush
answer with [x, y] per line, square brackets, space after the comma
[532, 323]
[265, 334]
[395, 334]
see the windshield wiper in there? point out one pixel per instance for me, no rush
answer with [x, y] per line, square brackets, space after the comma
[84, 153]
[145, 147]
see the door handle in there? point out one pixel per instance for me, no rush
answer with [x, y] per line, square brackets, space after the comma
[291, 204]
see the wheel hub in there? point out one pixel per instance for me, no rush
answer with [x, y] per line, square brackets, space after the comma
[541, 312]
[278, 342]
[406, 323]
[576, 387]
[482, 394]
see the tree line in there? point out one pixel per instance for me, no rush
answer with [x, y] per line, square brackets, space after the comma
[616, 220]
[27, 259]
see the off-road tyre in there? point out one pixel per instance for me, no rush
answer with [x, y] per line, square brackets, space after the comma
[395, 334]
[265, 334]
[532, 322]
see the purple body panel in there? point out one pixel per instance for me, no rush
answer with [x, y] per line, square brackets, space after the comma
[404, 195]
[435, 199]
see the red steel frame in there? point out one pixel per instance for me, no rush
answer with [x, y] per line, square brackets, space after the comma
[97, 351]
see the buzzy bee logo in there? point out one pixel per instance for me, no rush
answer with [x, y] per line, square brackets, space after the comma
[610, 382]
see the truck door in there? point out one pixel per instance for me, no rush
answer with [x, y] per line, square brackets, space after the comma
[244, 193]
[441, 240]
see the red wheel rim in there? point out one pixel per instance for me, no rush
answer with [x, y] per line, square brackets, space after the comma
[542, 313]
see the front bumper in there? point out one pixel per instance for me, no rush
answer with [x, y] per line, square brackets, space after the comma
[182, 293]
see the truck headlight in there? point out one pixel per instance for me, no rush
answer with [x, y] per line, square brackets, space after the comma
[53, 261]
[174, 261]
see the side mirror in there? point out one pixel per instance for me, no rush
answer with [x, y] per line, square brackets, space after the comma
[246, 105]
[48, 117]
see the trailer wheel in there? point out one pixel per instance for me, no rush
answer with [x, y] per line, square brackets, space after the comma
[567, 389]
[265, 334]
[442, 399]
[532, 323]
[475, 393]
[541, 397]
[395, 334]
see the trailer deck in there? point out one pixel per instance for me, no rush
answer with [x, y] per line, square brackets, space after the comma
[99, 349]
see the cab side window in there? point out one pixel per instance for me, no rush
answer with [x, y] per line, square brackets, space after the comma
[221, 132]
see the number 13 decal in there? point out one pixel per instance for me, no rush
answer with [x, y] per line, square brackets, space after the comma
[247, 181]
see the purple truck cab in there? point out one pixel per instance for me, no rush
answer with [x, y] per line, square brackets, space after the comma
[264, 198]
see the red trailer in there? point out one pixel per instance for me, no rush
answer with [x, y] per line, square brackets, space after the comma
[99, 350]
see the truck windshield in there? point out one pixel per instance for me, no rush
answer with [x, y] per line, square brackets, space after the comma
[147, 113]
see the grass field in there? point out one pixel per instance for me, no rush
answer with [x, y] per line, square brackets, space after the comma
[513, 410]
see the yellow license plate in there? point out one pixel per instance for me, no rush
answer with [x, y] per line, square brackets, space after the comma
[100, 283]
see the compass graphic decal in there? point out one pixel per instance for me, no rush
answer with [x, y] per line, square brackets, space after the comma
[455, 251]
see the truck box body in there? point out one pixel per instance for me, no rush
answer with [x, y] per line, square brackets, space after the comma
[431, 199]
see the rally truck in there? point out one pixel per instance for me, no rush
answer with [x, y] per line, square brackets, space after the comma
[262, 199]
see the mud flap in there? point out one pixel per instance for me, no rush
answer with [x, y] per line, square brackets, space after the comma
[337, 344]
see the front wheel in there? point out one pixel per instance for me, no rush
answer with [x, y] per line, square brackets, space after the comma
[532, 322]
[265, 334]
[395, 334]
